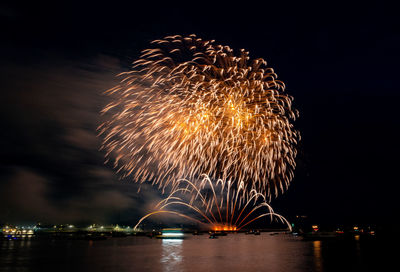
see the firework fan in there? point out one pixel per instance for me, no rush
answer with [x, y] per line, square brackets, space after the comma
[216, 205]
[191, 107]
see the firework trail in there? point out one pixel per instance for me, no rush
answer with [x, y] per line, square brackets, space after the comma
[219, 206]
[191, 107]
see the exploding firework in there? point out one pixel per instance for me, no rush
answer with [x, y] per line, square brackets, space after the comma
[191, 107]
[218, 206]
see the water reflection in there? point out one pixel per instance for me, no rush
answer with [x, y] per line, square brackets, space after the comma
[235, 252]
[358, 248]
[317, 255]
[14, 251]
[171, 258]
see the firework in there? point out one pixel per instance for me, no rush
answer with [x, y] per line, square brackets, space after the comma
[218, 206]
[191, 107]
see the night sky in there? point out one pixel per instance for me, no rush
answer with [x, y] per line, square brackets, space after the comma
[339, 61]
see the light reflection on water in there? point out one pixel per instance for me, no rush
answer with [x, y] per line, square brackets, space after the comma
[171, 254]
[317, 256]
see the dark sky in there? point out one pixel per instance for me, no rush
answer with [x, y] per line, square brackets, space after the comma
[339, 60]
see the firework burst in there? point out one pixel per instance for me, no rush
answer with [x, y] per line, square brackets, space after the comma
[191, 107]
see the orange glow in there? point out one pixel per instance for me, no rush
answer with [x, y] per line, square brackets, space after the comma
[224, 228]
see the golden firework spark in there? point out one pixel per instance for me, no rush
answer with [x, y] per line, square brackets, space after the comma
[191, 107]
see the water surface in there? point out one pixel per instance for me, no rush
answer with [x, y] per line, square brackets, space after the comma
[235, 252]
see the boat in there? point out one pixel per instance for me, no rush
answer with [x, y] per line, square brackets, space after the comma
[119, 234]
[213, 236]
[255, 232]
[320, 235]
[95, 237]
[171, 233]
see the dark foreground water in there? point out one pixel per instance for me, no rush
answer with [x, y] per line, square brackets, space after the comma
[235, 252]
